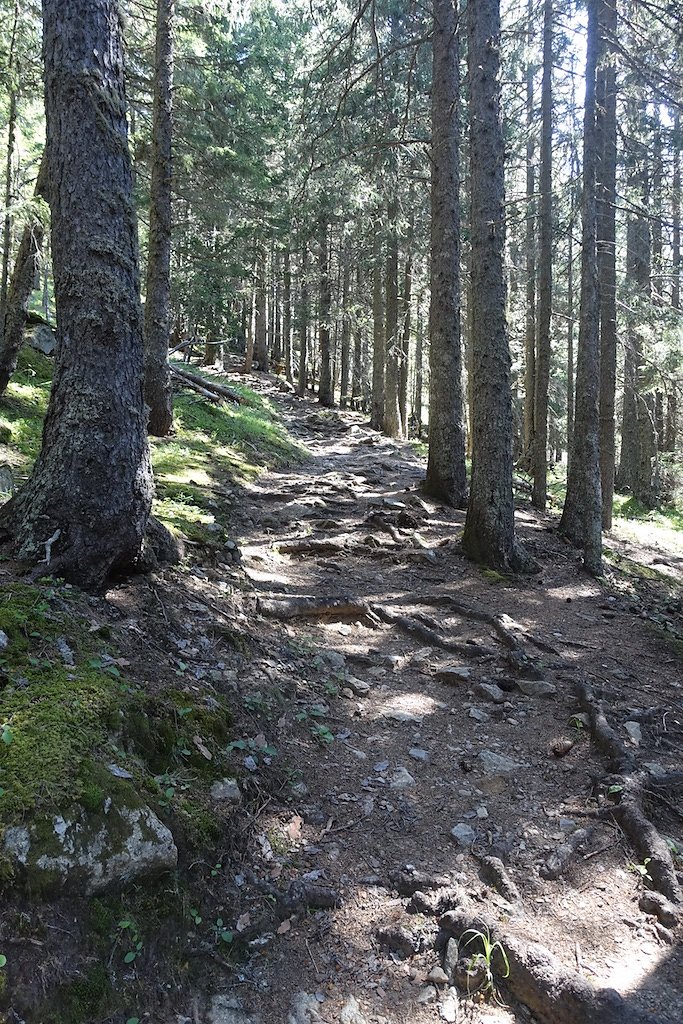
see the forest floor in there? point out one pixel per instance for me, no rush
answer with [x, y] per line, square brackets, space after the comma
[414, 718]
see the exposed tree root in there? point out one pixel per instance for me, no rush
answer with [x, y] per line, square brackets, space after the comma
[311, 545]
[558, 861]
[627, 788]
[555, 994]
[512, 634]
[430, 636]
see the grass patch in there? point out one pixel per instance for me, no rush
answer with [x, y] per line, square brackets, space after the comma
[22, 409]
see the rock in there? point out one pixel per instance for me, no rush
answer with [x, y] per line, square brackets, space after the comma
[402, 779]
[635, 733]
[304, 1009]
[489, 691]
[42, 338]
[6, 477]
[437, 976]
[497, 764]
[351, 1013]
[453, 676]
[87, 853]
[228, 1010]
[404, 716]
[4, 641]
[418, 754]
[427, 995]
[358, 686]
[398, 940]
[450, 958]
[436, 902]
[335, 659]
[226, 791]
[463, 834]
[536, 687]
[450, 1006]
[478, 715]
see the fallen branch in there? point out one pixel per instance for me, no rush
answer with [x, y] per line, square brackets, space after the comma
[193, 379]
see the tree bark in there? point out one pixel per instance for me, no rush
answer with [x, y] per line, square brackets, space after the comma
[303, 318]
[545, 282]
[406, 310]
[287, 313]
[489, 535]
[446, 471]
[21, 284]
[9, 161]
[85, 509]
[582, 513]
[261, 313]
[392, 416]
[326, 387]
[346, 326]
[528, 427]
[158, 391]
[378, 343]
[607, 268]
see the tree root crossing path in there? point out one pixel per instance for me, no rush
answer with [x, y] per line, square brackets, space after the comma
[461, 791]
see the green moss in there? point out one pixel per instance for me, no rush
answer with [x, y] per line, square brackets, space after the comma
[493, 577]
[81, 1001]
[52, 715]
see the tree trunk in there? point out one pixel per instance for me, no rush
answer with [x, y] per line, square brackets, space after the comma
[11, 142]
[158, 390]
[582, 513]
[261, 322]
[357, 376]
[346, 326]
[446, 472]
[378, 350]
[392, 417]
[607, 269]
[85, 509]
[417, 394]
[287, 313]
[489, 535]
[303, 320]
[526, 461]
[326, 388]
[406, 304]
[21, 285]
[545, 281]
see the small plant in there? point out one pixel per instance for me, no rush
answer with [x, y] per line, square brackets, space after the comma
[641, 869]
[129, 929]
[480, 964]
[322, 734]
[223, 934]
[196, 916]
[3, 960]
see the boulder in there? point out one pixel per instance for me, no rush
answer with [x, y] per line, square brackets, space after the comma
[86, 853]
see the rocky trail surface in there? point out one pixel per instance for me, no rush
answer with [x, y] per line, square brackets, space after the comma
[426, 748]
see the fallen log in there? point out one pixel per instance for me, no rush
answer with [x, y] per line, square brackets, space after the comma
[197, 382]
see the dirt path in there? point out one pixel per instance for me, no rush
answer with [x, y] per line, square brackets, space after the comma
[366, 741]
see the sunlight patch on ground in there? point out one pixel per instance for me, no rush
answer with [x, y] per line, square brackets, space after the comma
[417, 704]
[655, 535]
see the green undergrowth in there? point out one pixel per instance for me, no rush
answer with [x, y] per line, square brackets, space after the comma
[22, 409]
[67, 711]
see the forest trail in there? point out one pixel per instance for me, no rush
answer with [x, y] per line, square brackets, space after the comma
[431, 697]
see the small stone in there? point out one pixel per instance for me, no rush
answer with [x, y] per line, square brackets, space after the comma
[490, 692]
[497, 764]
[437, 976]
[450, 1006]
[463, 834]
[450, 958]
[635, 733]
[452, 675]
[427, 995]
[567, 824]
[402, 779]
[335, 659]
[482, 812]
[358, 686]
[478, 715]
[418, 754]
[4, 641]
[226, 791]
[404, 716]
[536, 687]
[351, 1013]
